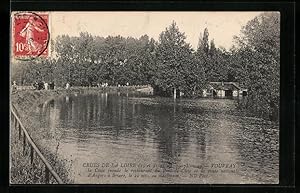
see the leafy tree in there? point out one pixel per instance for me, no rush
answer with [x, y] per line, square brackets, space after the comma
[259, 58]
[213, 60]
[174, 62]
[203, 45]
[117, 60]
[212, 50]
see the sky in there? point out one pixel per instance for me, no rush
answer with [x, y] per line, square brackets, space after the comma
[222, 26]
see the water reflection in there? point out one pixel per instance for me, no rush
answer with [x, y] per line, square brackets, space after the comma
[130, 128]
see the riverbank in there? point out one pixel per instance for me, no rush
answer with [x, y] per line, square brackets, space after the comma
[22, 171]
[25, 101]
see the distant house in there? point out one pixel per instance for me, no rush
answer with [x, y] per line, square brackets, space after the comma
[224, 89]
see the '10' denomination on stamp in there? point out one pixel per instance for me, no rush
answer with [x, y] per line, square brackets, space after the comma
[30, 35]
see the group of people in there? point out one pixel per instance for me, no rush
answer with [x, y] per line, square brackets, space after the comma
[102, 85]
[44, 85]
[106, 84]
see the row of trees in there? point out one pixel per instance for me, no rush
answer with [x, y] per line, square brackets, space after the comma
[166, 64]
[87, 59]
[169, 63]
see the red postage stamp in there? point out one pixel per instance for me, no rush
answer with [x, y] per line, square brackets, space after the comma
[30, 36]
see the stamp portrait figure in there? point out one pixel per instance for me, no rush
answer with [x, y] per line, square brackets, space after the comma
[28, 33]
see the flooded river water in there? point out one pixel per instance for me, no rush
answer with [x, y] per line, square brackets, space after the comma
[130, 138]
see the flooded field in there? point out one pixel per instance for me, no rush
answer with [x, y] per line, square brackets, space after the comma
[112, 138]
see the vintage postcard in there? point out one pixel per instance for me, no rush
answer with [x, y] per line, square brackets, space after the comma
[144, 97]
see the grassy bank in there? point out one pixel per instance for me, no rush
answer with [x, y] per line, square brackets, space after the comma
[22, 171]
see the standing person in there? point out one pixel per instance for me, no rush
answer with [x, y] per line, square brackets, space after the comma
[40, 85]
[35, 85]
[46, 86]
[52, 85]
[14, 86]
[67, 85]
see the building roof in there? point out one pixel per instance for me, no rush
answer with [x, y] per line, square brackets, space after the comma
[225, 85]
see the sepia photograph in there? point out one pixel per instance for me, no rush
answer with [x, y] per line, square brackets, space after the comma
[141, 97]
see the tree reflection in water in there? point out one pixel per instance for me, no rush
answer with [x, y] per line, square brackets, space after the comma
[132, 128]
